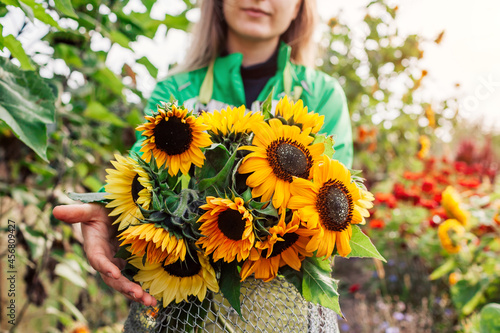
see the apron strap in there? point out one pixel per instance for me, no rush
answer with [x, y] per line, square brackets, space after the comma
[207, 86]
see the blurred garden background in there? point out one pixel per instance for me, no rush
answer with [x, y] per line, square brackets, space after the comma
[74, 79]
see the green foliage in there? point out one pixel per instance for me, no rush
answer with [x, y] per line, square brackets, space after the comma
[26, 105]
[230, 285]
[318, 286]
[490, 318]
[362, 246]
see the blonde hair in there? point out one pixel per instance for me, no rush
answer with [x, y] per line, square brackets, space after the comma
[209, 36]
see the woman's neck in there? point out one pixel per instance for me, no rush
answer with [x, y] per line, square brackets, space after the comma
[254, 52]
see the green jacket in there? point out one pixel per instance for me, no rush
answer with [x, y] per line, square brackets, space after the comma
[319, 92]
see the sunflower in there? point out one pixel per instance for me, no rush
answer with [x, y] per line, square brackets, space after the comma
[445, 231]
[365, 203]
[279, 153]
[228, 229]
[296, 114]
[286, 245]
[451, 202]
[158, 243]
[331, 202]
[128, 186]
[231, 121]
[174, 138]
[176, 281]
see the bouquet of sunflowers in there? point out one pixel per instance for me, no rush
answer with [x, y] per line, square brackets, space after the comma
[215, 198]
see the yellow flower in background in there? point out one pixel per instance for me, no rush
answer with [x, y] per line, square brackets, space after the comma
[278, 153]
[157, 243]
[231, 121]
[177, 281]
[174, 139]
[286, 245]
[453, 278]
[330, 203]
[429, 114]
[128, 186]
[451, 202]
[227, 229]
[446, 231]
[424, 146]
[296, 114]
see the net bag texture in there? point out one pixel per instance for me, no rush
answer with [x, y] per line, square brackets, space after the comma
[274, 306]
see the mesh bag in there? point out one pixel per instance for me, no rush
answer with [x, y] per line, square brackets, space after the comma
[274, 306]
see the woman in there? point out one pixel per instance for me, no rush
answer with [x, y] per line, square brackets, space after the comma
[241, 50]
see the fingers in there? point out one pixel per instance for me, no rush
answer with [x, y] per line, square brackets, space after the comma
[131, 290]
[80, 213]
[103, 264]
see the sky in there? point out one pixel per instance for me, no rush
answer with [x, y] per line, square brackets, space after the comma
[469, 53]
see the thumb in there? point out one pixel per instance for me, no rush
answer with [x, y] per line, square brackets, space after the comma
[80, 213]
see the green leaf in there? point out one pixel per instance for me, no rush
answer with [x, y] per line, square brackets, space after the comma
[267, 105]
[215, 171]
[230, 285]
[292, 276]
[467, 296]
[361, 245]
[444, 269]
[490, 318]
[97, 111]
[70, 270]
[119, 38]
[327, 141]
[109, 80]
[88, 197]
[65, 7]
[26, 105]
[317, 284]
[73, 309]
[16, 49]
[149, 66]
[39, 12]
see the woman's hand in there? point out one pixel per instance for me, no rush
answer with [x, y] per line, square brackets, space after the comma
[100, 244]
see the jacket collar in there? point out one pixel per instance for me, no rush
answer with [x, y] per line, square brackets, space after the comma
[233, 61]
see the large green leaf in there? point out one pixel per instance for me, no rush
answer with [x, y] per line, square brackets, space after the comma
[317, 284]
[490, 318]
[230, 285]
[361, 245]
[26, 105]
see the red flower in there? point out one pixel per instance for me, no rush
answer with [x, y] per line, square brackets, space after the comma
[441, 212]
[354, 287]
[400, 191]
[412, 175]
[469, 182]
[377, 224]
[428, 186]
[429, 204]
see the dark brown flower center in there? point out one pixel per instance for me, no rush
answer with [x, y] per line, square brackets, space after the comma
[335, 205]
[231, 224]
[289, 158]
[173, 136]
[186, 268]
[280, 246]
[136, 188]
